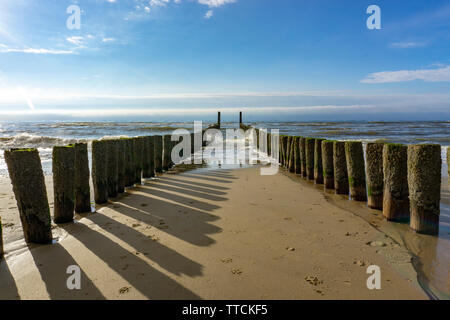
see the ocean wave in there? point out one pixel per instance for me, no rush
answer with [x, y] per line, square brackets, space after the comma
[26, 140]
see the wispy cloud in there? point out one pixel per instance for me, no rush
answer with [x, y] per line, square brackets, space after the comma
[408, 44]
[215, 3]
[76, 40]
[108, 39]
[208, 14]
[35, 51]
[427, 75]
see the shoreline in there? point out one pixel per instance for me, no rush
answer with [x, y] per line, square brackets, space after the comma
[193, 238]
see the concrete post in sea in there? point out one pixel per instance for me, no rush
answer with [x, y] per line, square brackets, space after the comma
[27, 179]
[374, 175]
[355, 168]
[424, 182]
[302, 146]
[158, 153]
[99, 171]
[82, 188]
[129, 162]
[395, 176]
[297, 161]
[166, 152]
[112, 167]
[121, 164]
[63, 165]
[309, 151]
[318, 166]
[291, 163]
[340, 168]
[327, 164]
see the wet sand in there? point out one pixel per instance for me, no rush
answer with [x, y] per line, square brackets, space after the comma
[221, 234]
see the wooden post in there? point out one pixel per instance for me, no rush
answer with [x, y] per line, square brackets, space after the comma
[291, 164]
[137, 156]
[281, 150]
[129, 162]
[309, 148]
[218, 119]
[318, 166]
[63, 164]
[395, 175]
[448, 161]
[112, 167]
[374, 174]
[424, 181]
[151, 150]
[297, 165]
[158, 153]
[355, 168]
[1, 239]
[82, 188]
[288, 152]
[166, 152]
[121, 164]
[27, 179]
[146, 157]
[327, 164]
[240, 117]
[269, 143]
[340, 168]
[303, 156]
[99, 171]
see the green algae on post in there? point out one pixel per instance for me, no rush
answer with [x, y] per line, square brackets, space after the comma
[27, 179]
[309, 148]
[318, 166]
[424, 182]
[395, 176]
[99, 171]
[63, 164]
[327, 164]
[340, 168]
[82, 188]
[374, 174]
[355, 168]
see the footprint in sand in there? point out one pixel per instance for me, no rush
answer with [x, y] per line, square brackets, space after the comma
[144, 204]
[135, 225]
[313, 280]
[290, 249]
[124, 290]
[226, 260]
[153, 237]
[236, 271]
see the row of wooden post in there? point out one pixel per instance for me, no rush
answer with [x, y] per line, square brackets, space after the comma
[402, 181]
[116, 164]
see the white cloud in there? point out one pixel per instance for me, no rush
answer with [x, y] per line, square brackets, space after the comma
[108, 39]
[215, 3]
[35, 51]
[427, 75]
[410, 44]
[208, 14]
[76, 40]
[160, 3]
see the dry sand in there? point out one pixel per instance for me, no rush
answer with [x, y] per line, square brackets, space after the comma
[228, 234]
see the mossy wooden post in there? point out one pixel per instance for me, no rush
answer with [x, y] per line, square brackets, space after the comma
[340, 168]
[63, 164]
[82, 188]
[327, 164]
[309, 148]
[112, 167]
[374, 174]
[27, 179]
[291, 163]
[424, 181]
[146, 157]
[302, 146]
[99, 171]
[298, 163]
[1, 239]
[137, 158]
[129, 162]
[166, 152]
[354, 156]
[121, 164]
[151, 150]
[395, 176]
[318, 166]
[158, 153]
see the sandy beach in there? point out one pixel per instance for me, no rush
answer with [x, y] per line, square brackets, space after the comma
[217, 234]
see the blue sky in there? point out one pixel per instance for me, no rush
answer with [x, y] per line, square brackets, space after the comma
[169, 59]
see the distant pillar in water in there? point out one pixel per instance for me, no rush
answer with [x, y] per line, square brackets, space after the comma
[291, 164]
[99, 171]
[327, 164]
[137, 149]
[27, 179]
[309, 148]
[424, 181]
[340, 168]
[63, 164]
[395, 172]
[121, 164]
[240, 117]
[374, 174]
[129, 162]
[318, 166]
[302, 147]
[355, 168]
[158, 153]
[218, 119]
[82, 188]
[166, 152]
[112, 168]
[297, 161]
